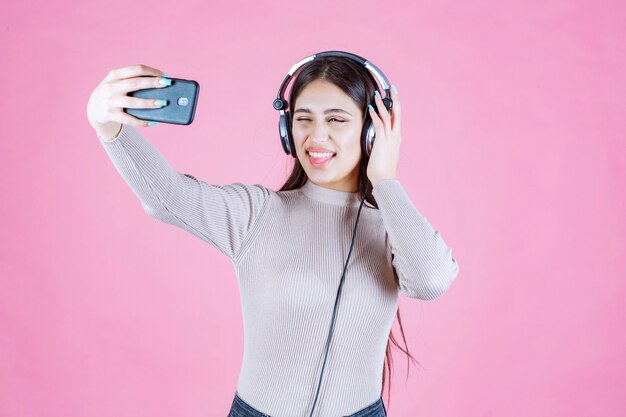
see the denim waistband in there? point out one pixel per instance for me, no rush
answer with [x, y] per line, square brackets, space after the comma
[240, 408]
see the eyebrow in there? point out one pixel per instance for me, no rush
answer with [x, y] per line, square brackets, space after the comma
[306, 110]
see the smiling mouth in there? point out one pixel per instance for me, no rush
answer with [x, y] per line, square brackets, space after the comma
[320, 153]
[320, 161]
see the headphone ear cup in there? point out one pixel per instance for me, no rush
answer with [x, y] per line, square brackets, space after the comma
[284, 128]
[369, 135]
[292, 145]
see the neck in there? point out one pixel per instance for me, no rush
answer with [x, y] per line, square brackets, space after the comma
[330, 195]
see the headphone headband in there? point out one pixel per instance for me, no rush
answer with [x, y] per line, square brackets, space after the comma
[280, 104]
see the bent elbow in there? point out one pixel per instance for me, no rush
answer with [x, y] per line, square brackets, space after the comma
[446, 280]
[158, 213]
[150, 210]
[432, 285]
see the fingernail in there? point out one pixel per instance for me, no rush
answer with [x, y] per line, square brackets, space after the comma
[377, 94]
[393, 87]
[165, 81]
[160, 102]
[371, 107]
[152, 123]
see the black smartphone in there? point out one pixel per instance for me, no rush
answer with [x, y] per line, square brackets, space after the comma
[181, 96]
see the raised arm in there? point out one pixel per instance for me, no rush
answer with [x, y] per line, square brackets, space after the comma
[221, 215]
[422, 260]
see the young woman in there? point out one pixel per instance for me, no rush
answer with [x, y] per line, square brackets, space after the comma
[318, 295]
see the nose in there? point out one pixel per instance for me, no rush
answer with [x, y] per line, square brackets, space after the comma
[320, 131]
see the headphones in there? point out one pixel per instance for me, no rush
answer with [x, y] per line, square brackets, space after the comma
[369, 133]
[367, 141]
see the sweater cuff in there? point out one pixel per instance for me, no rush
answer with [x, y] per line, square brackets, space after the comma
[124, 132]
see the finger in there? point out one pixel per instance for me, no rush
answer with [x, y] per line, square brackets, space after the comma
[129, 102]
[396, 111]
[133, 71]
[122, 117]
[379, 127]
[137, 83]
[384, 114]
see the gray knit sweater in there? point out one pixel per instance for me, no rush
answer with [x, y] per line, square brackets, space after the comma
[288, 249]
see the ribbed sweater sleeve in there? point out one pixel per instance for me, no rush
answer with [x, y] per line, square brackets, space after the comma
[221, 215]
[422, 260]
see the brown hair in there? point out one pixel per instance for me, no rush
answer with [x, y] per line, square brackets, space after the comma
[356, 81]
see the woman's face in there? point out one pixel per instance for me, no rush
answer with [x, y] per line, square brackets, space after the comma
[326, 120]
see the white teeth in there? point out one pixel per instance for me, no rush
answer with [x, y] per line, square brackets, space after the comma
[320, 155]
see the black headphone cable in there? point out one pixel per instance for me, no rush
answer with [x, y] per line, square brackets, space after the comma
[332, 324]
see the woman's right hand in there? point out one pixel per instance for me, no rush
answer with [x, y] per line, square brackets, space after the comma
[104, 109]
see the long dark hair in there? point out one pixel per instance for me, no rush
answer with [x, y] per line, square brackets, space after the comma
[356, 81]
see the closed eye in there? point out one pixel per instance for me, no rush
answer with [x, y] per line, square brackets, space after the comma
[331, 119]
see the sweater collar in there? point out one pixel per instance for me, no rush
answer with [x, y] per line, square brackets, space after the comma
[330, 196]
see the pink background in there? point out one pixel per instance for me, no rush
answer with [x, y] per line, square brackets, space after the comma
[513, 147]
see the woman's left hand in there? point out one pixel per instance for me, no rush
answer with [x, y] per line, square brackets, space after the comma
[383, 162]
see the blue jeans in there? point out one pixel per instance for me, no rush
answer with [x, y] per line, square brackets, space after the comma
[240, 408]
